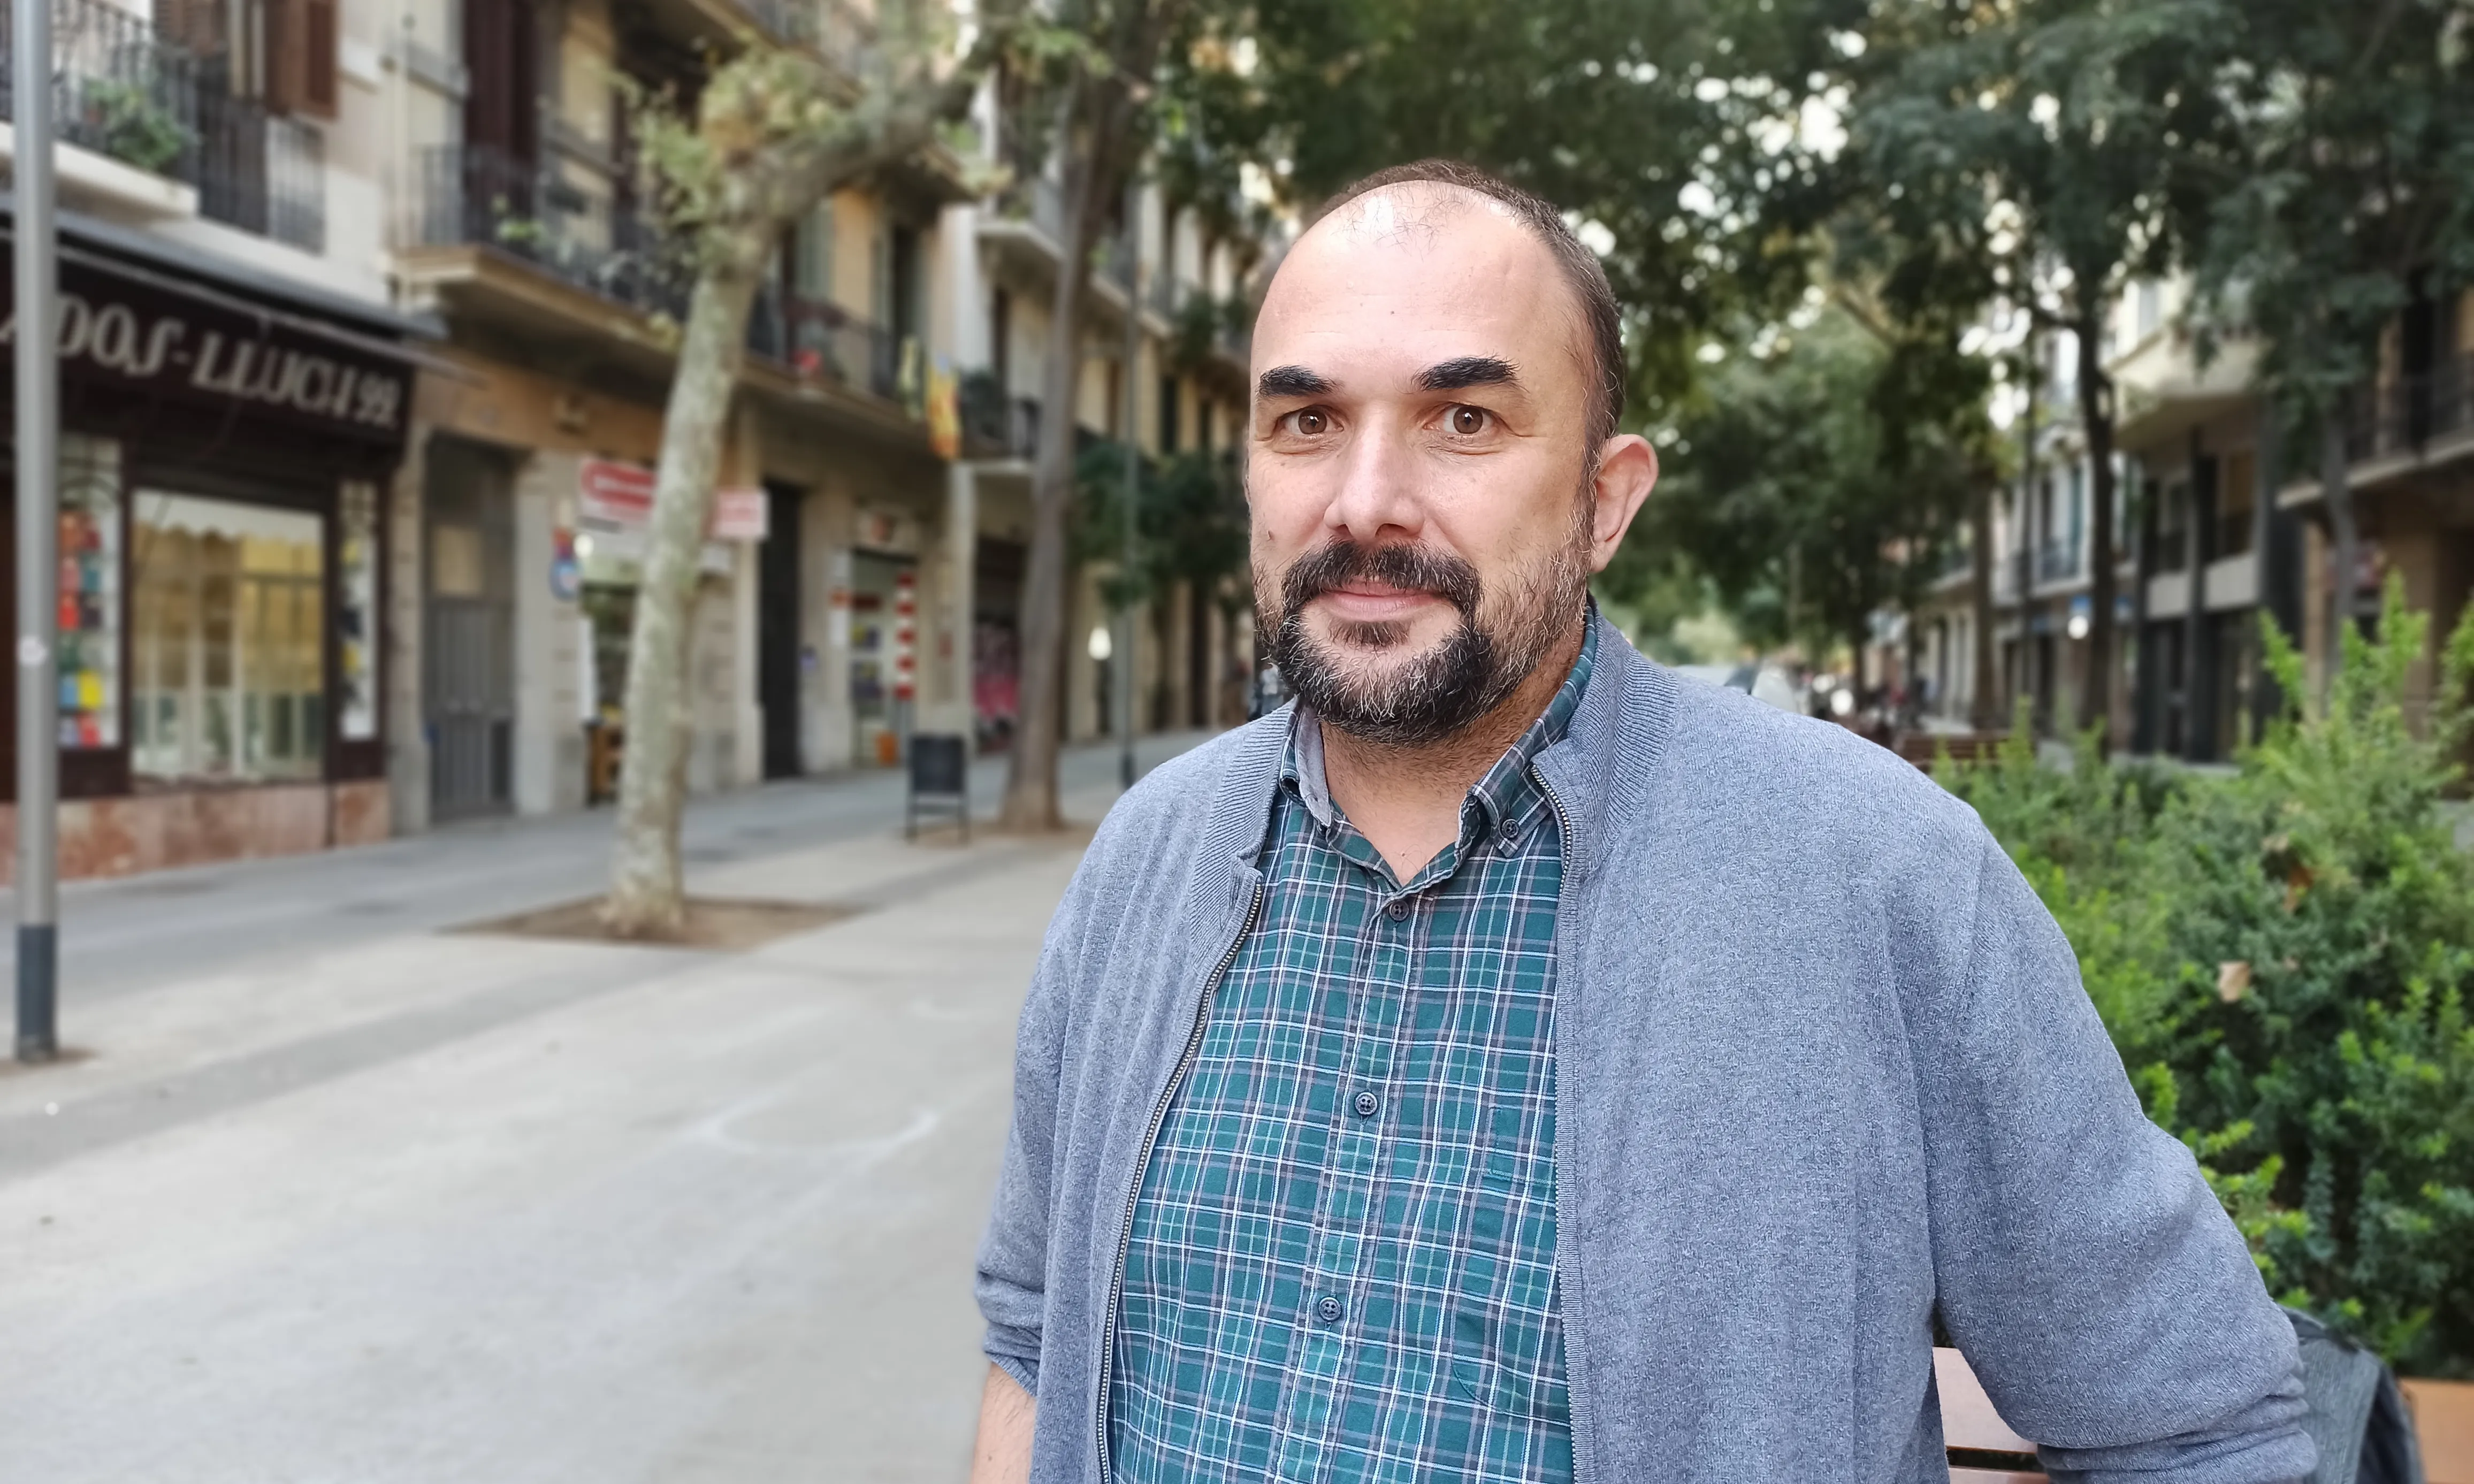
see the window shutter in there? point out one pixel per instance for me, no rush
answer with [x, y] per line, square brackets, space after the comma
[282, 42]
[300, 62]
[318, 72]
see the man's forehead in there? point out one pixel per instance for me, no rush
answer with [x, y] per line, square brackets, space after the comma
[1415, 271]
[1409, 215]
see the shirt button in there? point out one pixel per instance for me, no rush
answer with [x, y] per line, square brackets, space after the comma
[1399, 911]
[1328, 1309]
[1368, 1105]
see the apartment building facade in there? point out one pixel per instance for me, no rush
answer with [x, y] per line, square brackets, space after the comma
[2223, 523]
[372, 334]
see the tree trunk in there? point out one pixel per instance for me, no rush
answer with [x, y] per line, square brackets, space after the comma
[1983, 715]
[2022, 695]
[1031, 783]
[2336, 486]
[2095, 411]
[646, 898]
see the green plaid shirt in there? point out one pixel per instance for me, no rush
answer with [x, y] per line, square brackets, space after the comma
[1342, 1266]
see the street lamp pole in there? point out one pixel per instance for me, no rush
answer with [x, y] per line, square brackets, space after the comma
[38, 375]
[1134, 476]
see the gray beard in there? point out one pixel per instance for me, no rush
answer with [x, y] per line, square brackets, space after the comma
[1445, 691]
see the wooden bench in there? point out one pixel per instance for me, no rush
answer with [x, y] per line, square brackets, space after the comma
[2443, 1427]
[1922, 748]
[1984, 1450]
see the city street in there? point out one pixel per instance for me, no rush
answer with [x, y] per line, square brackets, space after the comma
[333, 1192]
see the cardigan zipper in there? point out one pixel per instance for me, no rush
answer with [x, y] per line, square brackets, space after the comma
[1562, 1233]
[1142, 1163]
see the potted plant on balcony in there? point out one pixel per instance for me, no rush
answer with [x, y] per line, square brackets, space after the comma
[125, 118]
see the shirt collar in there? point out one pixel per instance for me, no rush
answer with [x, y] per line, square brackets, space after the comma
[1498, 793]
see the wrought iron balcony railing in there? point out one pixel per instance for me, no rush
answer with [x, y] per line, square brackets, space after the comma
[994, 424]
[478, 195]
[815, 338]
[2407, 413]
[121, 90]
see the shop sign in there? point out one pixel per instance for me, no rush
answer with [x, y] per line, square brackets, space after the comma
[884, 530]
[161, 342]
[621, 495]
[740, 515]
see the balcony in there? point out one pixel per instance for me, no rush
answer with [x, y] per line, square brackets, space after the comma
[123, 92]
[2057, 560]
[476, 196]
[835, 28]
[994, 424]
[2402, 418]
[816, 339]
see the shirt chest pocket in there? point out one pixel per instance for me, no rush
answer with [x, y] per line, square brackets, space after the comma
[1483, 1371]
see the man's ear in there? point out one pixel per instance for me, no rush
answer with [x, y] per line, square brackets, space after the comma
[1627, 472]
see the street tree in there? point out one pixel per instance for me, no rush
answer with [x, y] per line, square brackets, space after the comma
[776, 127]
[2349, 195]
[1090, 109]
[2047, 146]
[1673, 133]
[1818, 476]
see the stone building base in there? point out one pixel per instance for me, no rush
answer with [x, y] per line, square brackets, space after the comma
[152, 832]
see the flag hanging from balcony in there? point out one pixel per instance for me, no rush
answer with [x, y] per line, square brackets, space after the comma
[944, 412]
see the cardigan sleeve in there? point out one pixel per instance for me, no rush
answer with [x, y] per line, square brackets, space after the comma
[2081, 1263]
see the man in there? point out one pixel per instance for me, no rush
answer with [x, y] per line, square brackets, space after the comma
[1514, 1063]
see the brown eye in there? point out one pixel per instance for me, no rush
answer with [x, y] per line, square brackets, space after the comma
[1469, 421]
[1311, 423]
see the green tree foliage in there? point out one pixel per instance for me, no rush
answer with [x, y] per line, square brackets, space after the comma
[1818, 483]
[2041, 151]
[1191, 525]
[2283, 957]
[1671, 124]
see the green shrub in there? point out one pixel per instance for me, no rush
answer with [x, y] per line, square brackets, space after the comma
[2283, 959]
[133, 125]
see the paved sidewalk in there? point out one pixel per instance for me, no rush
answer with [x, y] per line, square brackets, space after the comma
[373, 1202]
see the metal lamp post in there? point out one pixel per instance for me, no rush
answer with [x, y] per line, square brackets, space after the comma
[37, 372]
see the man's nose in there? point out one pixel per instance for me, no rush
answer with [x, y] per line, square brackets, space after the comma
[1377, 499]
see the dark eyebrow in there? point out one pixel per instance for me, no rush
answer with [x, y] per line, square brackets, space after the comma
[1467, 371]
[1294, 381]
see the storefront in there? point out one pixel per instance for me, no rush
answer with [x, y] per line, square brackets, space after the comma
[224, 445]
[602, 560]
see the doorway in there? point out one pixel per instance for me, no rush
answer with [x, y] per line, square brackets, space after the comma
[883, 587]
[780, 659]
[468, 621]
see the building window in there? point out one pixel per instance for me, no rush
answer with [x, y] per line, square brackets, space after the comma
[227, 641]
[89, 593]
[1167, 428]
[812, 256]
[2237, 501]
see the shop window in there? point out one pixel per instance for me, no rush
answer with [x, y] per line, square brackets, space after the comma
[227, 642]
[357, 613]
[89, 593]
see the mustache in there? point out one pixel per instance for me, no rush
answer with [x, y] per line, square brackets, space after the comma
[1411, 569]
